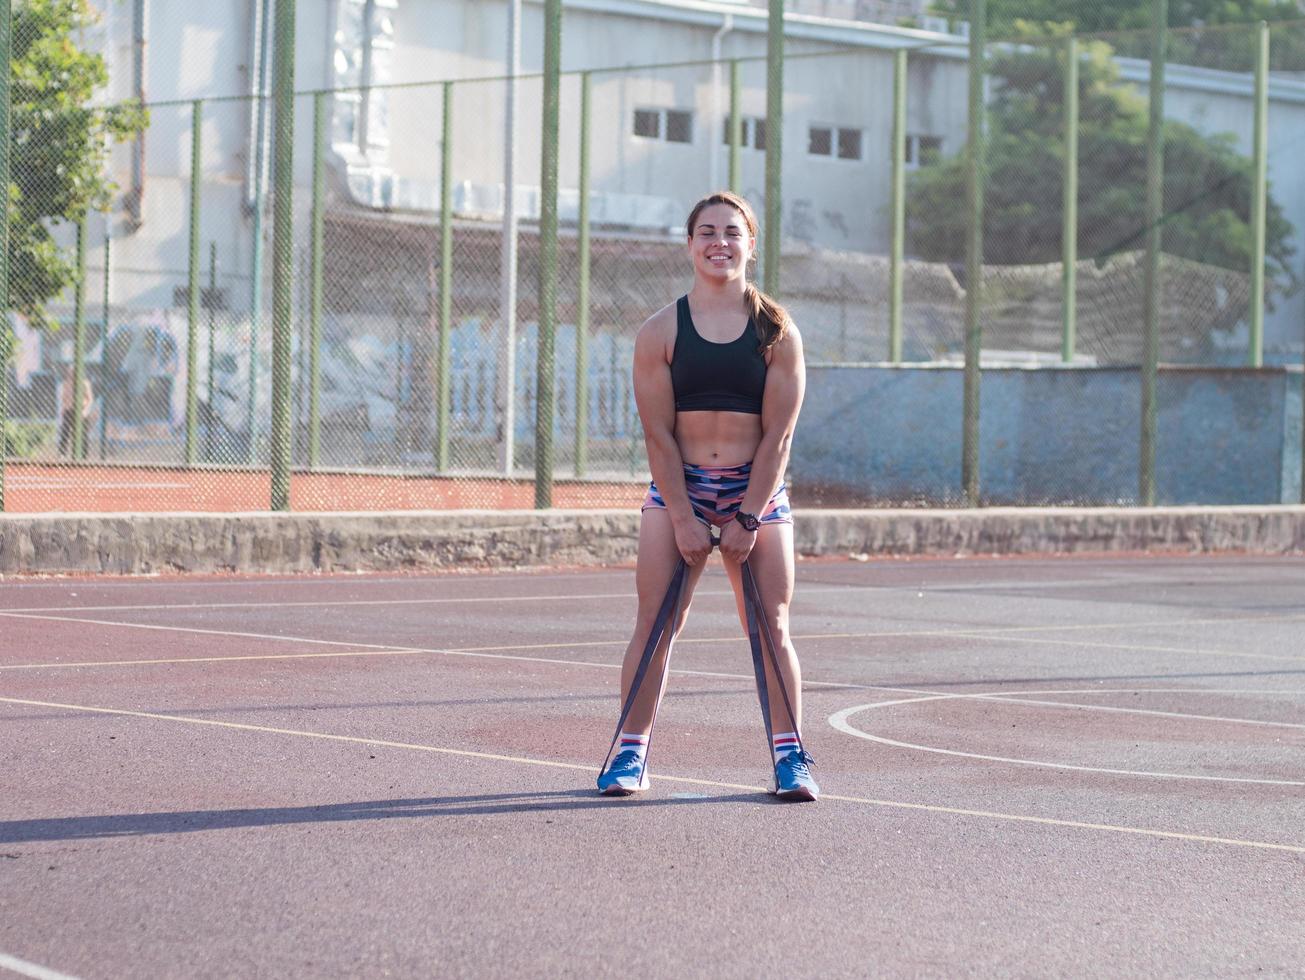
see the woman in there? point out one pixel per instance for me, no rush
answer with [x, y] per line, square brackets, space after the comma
[718, 379]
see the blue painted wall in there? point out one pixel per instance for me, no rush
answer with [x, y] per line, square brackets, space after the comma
[877, 433]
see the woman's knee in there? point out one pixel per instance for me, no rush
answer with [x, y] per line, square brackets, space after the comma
[646, 618]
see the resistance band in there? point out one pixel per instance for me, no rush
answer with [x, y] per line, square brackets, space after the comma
[759, 639]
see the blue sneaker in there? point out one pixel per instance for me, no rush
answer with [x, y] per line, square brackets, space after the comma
[793, 778]
[624, 776]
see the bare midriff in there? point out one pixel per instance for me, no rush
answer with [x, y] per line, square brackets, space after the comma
[717, 438]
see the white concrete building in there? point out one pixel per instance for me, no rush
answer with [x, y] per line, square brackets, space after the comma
[658, 134]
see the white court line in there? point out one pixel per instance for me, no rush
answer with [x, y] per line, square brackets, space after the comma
[839, 721]
[979, 633]
[364, 649]
[454, 600]
[571, 766]
[1140, 647]
[996, 635]
[27, 969]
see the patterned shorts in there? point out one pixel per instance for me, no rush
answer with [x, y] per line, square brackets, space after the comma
[715, 493]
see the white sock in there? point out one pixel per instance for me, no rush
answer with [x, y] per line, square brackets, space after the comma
[784, 743]
[632, 741]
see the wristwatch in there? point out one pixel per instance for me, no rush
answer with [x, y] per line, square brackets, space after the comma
[749, 521]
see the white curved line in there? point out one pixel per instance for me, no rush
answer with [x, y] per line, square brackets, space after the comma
[839, 721]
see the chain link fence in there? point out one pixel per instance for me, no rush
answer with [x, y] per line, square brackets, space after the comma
[414, 348]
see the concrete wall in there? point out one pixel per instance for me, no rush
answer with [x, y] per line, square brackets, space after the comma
[133, 544]
[872, 433]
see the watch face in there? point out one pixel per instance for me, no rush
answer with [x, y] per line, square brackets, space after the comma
[748, 521]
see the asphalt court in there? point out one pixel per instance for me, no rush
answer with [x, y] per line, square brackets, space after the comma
[1029, 766]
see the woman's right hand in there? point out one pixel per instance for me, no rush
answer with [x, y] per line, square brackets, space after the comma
[693, 539]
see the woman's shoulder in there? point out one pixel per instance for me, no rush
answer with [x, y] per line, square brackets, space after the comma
[659, 326]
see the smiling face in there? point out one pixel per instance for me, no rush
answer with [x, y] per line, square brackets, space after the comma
[721, 243]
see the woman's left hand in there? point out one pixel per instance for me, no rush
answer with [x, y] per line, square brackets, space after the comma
[736, 542]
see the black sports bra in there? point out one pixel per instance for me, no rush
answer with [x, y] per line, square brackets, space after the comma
[709, 377]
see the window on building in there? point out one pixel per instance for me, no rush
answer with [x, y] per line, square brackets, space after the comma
[849, 144]
[922, 150]
[648, 123]
[363, 55]
[820, 141]
[754, 132]
[679, 126]
[842, 142]
[671, 125]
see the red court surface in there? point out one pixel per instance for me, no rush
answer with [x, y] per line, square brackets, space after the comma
[87, 487]
[1030, 767]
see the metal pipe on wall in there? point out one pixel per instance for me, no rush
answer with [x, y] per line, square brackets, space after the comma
[136, 199]
[507, 368]
[898, 208]
[1155, 148]
[1069, 208]
[256, 193]
[582, 299]
[717, 102]
[1259, 194]
[974, 160]
[544, 366]
[283, 252]
[774, 145]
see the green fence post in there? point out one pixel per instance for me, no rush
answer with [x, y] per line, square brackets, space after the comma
[5, 336]
[898, 207]
[443, 362]
[315, 280]
[774, 146]
[547, 256]
[582, 315]
[736, 130]
[283, 250]
[210, 435]
[104, 352]
[192, 285]
[76, 450]
[1154, 211]
[973, 258]
[1069, 213]
[1259, 194]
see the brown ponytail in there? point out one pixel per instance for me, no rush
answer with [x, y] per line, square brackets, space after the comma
[771, 319]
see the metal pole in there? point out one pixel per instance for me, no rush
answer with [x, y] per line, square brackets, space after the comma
[192, 285]
[1069, 211]
[104, 353]
[973, 259]
[582, 316]
[736, 130]
[79, 345]
[210, 440]
[898, 206]
[508, 249]
[283, 250]
[547, 256]
[774, 145]
[1154, 210]
[443, 372]
[5, 334]
[256, 262]
[315, 280]
[1259, 195]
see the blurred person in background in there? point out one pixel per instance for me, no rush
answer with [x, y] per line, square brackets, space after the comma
[67, 410]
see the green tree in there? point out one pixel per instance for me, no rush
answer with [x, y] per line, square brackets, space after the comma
[1014, 18]
[1207, 191]
[59, 142]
